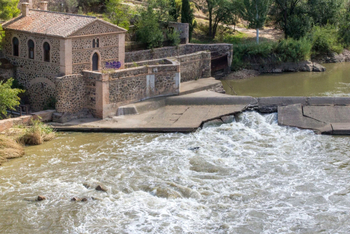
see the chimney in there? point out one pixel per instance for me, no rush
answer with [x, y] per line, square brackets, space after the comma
[25, 9]
[43, 5]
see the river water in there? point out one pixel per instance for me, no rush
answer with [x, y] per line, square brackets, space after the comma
[334, 82]
[248, 176]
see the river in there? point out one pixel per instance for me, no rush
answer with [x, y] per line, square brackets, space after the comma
[334, 82]
[248, 176]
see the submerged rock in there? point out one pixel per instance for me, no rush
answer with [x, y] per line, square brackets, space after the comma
[40, 198]
[100, 188]
[75, 199]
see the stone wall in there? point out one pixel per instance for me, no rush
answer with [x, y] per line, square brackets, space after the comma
[111, 49]
[195, 66]
[216, 51]
[106, 92]
[183, 29]
[37, 76]
[71, 93]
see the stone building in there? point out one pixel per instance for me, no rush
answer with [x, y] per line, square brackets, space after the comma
[44, 45]
[79, 63]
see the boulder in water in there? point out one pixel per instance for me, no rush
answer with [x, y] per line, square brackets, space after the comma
[40, 198]
[100, 188]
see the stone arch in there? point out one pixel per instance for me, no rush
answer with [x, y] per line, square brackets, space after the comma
[41, 92]
[95, 52]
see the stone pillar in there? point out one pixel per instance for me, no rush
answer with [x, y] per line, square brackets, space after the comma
[66, 64]
[121, 49]
[102, 97]
[25, 9]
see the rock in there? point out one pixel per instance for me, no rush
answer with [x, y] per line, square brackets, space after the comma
[75, 199]
[100, 188]
[193, 148]
[44, 116]
[212, 122]
[228, 119]
[40, 198]
[86, 185]
[277, 70]
[318, 68]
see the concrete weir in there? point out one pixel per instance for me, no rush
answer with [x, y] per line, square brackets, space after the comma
[186, 113]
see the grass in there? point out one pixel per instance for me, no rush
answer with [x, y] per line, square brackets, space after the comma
[37, 133]
[9, 149]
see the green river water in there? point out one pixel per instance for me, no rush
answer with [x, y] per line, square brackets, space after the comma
[334, 82]
[247, 176]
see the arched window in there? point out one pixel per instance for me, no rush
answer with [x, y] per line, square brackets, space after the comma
[97, 42]
[15, 44]
[95, 62]
[93, 43]
[46, 52]
[31, 49]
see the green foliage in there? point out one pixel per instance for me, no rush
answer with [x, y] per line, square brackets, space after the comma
[290, 50]
[148, 29]
[298, 26]
[8, 9]
[187, 16]
[173, 37]
[325, 12]
[118, 13]
[292, 17]
[218, 12]
[287, 50]
[344, 28]
[8, 96]
[175, 7]
[324, 40]
[254, 11]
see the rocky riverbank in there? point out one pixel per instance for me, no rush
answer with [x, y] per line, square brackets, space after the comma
[268, 65]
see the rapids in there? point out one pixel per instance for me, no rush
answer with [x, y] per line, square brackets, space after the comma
[248, 176]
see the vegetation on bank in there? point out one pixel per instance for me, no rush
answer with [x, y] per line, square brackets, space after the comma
[8, 97]
[13, 140]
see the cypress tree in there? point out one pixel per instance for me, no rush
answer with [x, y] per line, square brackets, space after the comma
[187, 16]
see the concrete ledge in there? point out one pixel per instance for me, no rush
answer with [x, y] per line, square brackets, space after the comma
[121, 130]
[44, 116]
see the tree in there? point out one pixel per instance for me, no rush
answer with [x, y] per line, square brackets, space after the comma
[325, 12]
[148, 29]
[187, 16]
[8, 9]
[292, 17]
[218, 11]
[118, 13]
[8, 96]
[255, 12]
[175, 9]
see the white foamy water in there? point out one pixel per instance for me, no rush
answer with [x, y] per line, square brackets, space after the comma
[249, 176]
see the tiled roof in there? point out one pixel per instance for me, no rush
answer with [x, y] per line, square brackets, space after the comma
[50, 23]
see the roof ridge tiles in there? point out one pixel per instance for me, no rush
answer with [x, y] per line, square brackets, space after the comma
[64, 13]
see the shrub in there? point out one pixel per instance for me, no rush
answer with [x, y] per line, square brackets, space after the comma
[344, 29]
[324, 40]
[148, 29]
[173, 37]
[8, 97]
[37, 133]
[290, 50]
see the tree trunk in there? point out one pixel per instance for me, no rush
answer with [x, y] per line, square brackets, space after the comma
[257, 36]
[210, 24]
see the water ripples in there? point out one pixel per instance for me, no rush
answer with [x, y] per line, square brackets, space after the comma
[248, 176]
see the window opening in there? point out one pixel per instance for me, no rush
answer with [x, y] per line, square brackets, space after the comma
[31, 49]
[46, 52]
[15, 44]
